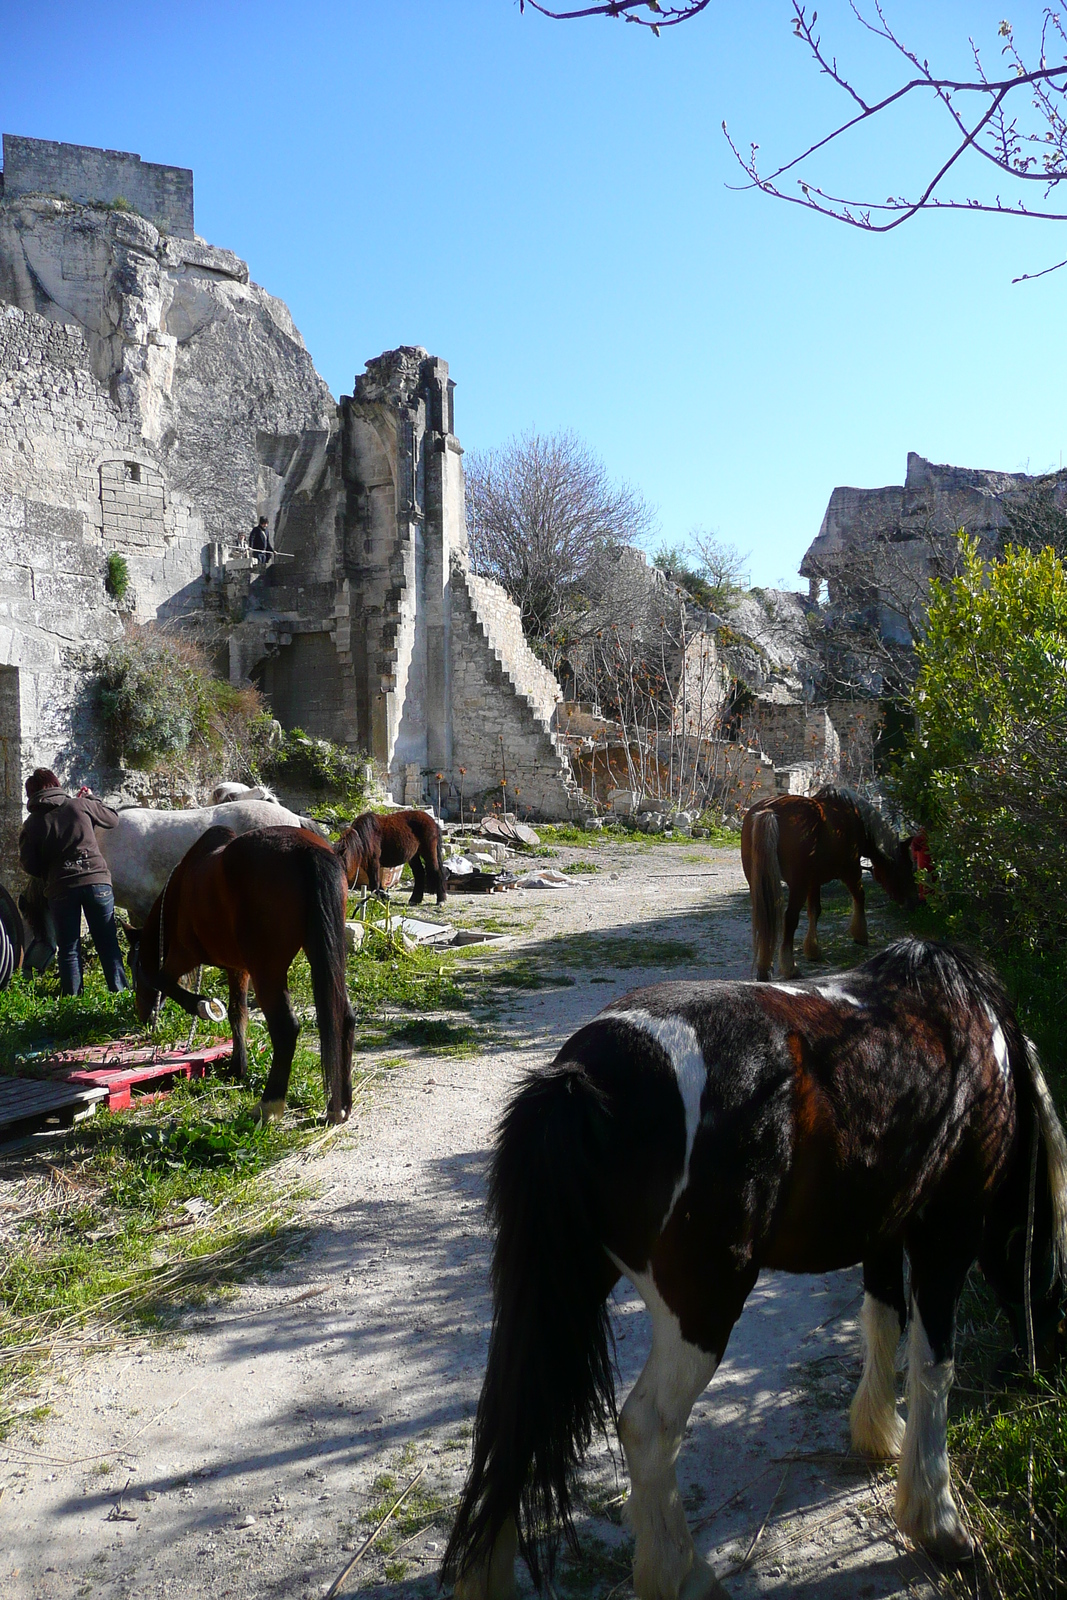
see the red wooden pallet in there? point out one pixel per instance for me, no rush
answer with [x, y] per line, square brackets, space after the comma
[122, 1071]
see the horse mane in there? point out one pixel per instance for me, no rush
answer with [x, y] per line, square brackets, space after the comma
[921, 964]
[881, 835]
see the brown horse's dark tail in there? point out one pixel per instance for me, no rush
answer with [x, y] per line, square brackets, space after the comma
[437, 877]
[765, 884]
[324, 944]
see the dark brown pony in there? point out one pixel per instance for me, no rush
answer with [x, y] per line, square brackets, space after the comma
[401, 837]
[809, 842]
[694, 1134]
[247, 903]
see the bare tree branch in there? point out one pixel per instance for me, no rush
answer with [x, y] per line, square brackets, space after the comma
[985, 115]
[541, 513]
[986, 132]
[660, 16]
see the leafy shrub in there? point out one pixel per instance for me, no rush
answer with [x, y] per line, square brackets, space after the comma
[159, 701]
[302, 762]
[987, 765]
[116, 575]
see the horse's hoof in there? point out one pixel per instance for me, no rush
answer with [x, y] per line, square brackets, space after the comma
[700, 1583]
[953, 1547]
[269, 1111]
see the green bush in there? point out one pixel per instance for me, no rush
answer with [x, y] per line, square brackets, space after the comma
[159, 701]
[986, 768]
[301, 762]
[116, 575]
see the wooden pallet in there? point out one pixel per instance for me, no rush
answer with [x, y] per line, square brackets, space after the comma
[30, 1104]
[119, 1079]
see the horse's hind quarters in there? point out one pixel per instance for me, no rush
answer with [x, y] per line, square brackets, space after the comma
[269, 1110]
[493, 1579]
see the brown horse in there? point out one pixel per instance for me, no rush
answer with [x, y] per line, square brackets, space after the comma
[809, 842]
[247, 903]
[373, 842]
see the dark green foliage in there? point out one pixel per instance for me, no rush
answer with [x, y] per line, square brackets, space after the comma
[301, 762]
[160, 702]
[116, 575]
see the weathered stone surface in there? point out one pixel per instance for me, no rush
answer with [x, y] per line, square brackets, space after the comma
[87, 175]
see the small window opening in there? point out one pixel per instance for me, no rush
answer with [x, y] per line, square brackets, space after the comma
[133, 472]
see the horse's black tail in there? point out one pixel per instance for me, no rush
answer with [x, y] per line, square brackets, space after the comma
[765, 885]
[549, 1380]
[438, 876]
[324, 943]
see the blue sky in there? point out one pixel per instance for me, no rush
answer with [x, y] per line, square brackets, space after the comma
[547, 207]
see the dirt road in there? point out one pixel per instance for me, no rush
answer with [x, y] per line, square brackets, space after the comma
[247, 1449]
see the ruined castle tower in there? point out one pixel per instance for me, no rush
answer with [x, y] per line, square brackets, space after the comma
[154, 402]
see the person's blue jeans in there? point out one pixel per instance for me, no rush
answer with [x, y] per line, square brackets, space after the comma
[98, 903]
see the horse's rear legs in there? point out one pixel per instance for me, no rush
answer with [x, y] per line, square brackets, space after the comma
[283, 1029]
[787, 965]
[858, 926]
[925, 1509]
[238, 1014]
[877, 1426]
[418, 873]
[651, 1428]
[811, 943]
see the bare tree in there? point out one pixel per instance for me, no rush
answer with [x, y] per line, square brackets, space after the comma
[659, 16]
[1015, 123]
[541, 513]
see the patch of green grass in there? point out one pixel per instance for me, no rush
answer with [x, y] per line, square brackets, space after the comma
[423, 1508]
[437, 1035]
[571, 833]
[574, 867]
[526, 973]
[107, 1222]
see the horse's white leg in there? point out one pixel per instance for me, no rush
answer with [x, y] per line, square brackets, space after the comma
[651, 1428]
[925, 1509]
[877, 1426]
[494, 1577]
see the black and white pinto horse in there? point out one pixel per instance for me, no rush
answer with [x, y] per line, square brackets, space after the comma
[693, 1134]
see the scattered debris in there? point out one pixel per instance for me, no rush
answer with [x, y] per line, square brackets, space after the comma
[508, 831]
[545, 878]
[354, 932]
[414, 932]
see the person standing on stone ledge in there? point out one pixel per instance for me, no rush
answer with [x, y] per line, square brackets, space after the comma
[259, 542]
[58, 844]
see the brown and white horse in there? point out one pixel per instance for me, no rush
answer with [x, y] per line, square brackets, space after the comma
[394, 840]
[809, 841]
[248, 903]
[693, 1134]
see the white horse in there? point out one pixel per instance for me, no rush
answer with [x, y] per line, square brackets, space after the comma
[241, 791]
[145, 845]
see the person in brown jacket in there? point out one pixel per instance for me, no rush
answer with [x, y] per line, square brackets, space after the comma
[58, 844]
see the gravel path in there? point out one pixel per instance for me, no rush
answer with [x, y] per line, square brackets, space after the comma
[251, 1442]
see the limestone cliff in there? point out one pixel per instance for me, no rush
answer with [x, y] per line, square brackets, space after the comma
[199, 360]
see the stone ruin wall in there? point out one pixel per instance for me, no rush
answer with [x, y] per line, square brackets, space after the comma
[66, 500]
[164, 195]
[503, 701]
